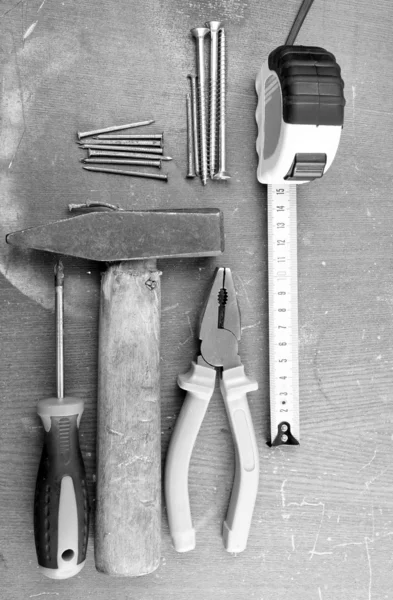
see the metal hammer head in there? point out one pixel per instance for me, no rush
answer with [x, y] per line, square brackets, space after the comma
[129, 235]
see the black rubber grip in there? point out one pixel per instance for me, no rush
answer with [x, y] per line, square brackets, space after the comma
[311, 85]
[61, 456]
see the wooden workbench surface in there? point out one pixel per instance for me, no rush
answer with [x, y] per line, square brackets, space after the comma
[323, 523]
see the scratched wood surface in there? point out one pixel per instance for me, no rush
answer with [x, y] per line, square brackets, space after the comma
[323, 523]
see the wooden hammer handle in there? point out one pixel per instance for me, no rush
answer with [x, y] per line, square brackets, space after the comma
[128, 504]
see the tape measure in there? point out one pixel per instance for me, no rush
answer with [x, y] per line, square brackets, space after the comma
[300, 114]
[283, 314]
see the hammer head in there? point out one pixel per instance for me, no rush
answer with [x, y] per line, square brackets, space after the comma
[129, 235]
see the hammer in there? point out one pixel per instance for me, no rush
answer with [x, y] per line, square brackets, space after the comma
[128, 497]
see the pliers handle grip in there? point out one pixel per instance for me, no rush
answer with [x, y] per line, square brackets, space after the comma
[199, 383]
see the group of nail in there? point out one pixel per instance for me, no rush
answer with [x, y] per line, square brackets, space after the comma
[104, 147]
[206, 141]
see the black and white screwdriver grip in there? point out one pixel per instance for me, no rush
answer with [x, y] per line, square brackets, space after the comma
[61, 509]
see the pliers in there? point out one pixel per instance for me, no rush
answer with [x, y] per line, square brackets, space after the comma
[219, 334]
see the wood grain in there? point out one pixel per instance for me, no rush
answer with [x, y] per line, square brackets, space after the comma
[323, 523]
[128, 509]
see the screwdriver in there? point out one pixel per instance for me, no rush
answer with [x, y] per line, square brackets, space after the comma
[61, 508]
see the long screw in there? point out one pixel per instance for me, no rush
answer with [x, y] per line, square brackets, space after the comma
[194, 111]
[199, 33]
[221, 173]
[82, 134]
[129, 173]
[214, 28]
[130, 155]
[190, 146]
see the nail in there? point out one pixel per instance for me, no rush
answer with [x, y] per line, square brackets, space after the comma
[114, 142]
[128, 155]
[82, 134]
[194, 111]
[146, 149]
[142, 136]
[190, 146]
[119, 161]
[163, 177]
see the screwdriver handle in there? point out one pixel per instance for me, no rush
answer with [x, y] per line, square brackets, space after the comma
[234, 387]
[61, 508]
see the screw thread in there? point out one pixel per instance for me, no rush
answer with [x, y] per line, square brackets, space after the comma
[212, 132]
[199, 33]
[221, 105]
[203, 129]
[221, 91]
[213, 97]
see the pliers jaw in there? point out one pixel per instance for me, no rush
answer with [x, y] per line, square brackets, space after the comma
[220, 328]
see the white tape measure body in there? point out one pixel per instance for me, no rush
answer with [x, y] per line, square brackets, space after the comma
[300, 115]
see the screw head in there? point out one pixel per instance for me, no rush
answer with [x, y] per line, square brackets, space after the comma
[199, 32]
[221, 175]
[151, 284]
[213, 25]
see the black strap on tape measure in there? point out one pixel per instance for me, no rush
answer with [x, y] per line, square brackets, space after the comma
[311, 85]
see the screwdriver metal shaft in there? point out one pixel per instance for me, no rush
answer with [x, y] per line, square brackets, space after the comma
[59, 311]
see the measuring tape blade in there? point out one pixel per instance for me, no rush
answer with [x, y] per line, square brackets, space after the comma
[283, 315]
